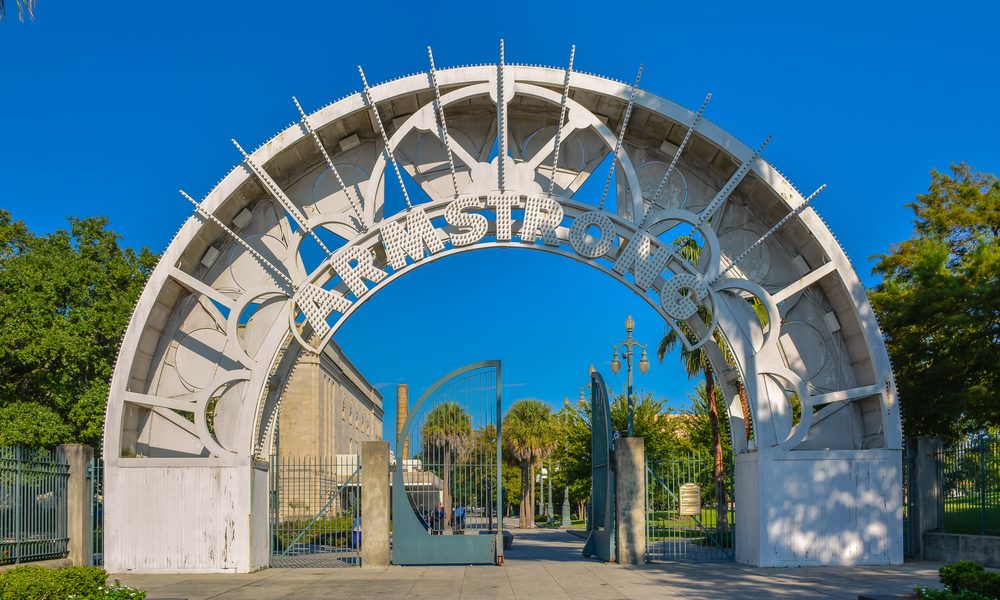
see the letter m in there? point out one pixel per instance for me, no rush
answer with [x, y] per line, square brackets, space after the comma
[410, 241]
[635, 258]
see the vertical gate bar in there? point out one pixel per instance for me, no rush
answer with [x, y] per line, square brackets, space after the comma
[499, 486]
[18, 509]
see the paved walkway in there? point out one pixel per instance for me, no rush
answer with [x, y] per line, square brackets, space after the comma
[544, 564]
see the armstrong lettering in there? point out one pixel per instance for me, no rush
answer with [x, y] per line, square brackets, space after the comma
[412, 236]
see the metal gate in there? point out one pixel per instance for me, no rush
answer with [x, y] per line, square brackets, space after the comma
[315, 505]
[445, 498]
[33, 505]
[95, 473]
[682, 514]
[601, 520]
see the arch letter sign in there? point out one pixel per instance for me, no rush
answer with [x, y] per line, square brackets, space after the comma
[353, 196]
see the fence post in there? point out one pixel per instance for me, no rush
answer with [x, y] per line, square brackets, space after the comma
[374, 504]
[926, 489]
[630, 500]
[79, 520]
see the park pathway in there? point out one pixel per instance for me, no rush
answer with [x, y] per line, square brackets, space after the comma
[543, 564]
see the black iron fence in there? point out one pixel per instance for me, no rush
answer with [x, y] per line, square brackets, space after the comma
[33, 519]
[95, 473]
[971, 486]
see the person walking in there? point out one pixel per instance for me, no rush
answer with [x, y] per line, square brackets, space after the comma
[437, 519]
[460, 519]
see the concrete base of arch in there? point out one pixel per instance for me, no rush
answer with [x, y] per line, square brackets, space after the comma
[187, 517]
[811, 508]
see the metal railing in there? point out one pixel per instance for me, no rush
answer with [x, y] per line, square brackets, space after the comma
[33, 520]
[971, 486]
[315, 506]
[693, 532]
[95, 473]
[908, 500]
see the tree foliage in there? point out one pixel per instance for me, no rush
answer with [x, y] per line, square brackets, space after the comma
[65, 299]
[447, 432]
[529, 435]
[939, 306]
[664, 434]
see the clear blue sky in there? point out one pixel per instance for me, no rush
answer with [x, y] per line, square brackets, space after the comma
[107, 108]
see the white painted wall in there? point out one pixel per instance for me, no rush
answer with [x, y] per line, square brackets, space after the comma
[185, 517]
[821, 508]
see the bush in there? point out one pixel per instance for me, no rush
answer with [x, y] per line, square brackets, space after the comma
[84, 583]
[965, 580]
[967, 575]
[929, 594]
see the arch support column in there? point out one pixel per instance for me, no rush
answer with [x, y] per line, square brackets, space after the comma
[811, 508]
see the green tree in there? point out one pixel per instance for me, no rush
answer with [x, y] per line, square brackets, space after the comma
[662, 431]
[447, 432]
[657, 426]
[572, 453]
[32, 425]
[939, 306]
[65, 299]
[529, 435]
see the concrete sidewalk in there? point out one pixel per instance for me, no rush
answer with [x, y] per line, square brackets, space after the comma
[544, 564]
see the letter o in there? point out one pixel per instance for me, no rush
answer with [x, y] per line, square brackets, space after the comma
[593, 248]
[678, 305]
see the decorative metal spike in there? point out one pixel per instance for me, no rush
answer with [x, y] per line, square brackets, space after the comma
[442, 126]
[673, 163]
[276, 274]
[798, 210]
[727, 189]
[501, 124]
[366, 94]
[329, 162]
[562, 117]
[621, 136]
[280, 196]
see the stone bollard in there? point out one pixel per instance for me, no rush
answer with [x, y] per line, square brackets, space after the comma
[630, 501]
[374, 504]
[79, 520]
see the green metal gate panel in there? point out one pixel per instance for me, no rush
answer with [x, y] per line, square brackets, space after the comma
[601, 523]
[682, 516]
[445, 497]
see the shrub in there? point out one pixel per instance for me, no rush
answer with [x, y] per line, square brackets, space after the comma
[84, 583]
[929, 594]
[967, 575]
[965, 580]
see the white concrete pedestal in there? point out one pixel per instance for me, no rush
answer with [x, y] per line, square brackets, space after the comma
[811, 508]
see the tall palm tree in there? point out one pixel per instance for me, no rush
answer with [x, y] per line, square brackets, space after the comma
[528, 437]
[447, 429]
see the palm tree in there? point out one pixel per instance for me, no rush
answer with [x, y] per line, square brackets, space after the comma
[528, 437]
[447, 429]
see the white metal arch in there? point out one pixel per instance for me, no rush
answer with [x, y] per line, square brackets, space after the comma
[224, 305]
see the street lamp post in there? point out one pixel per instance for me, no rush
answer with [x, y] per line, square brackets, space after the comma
[616, 366]
[548, 507]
